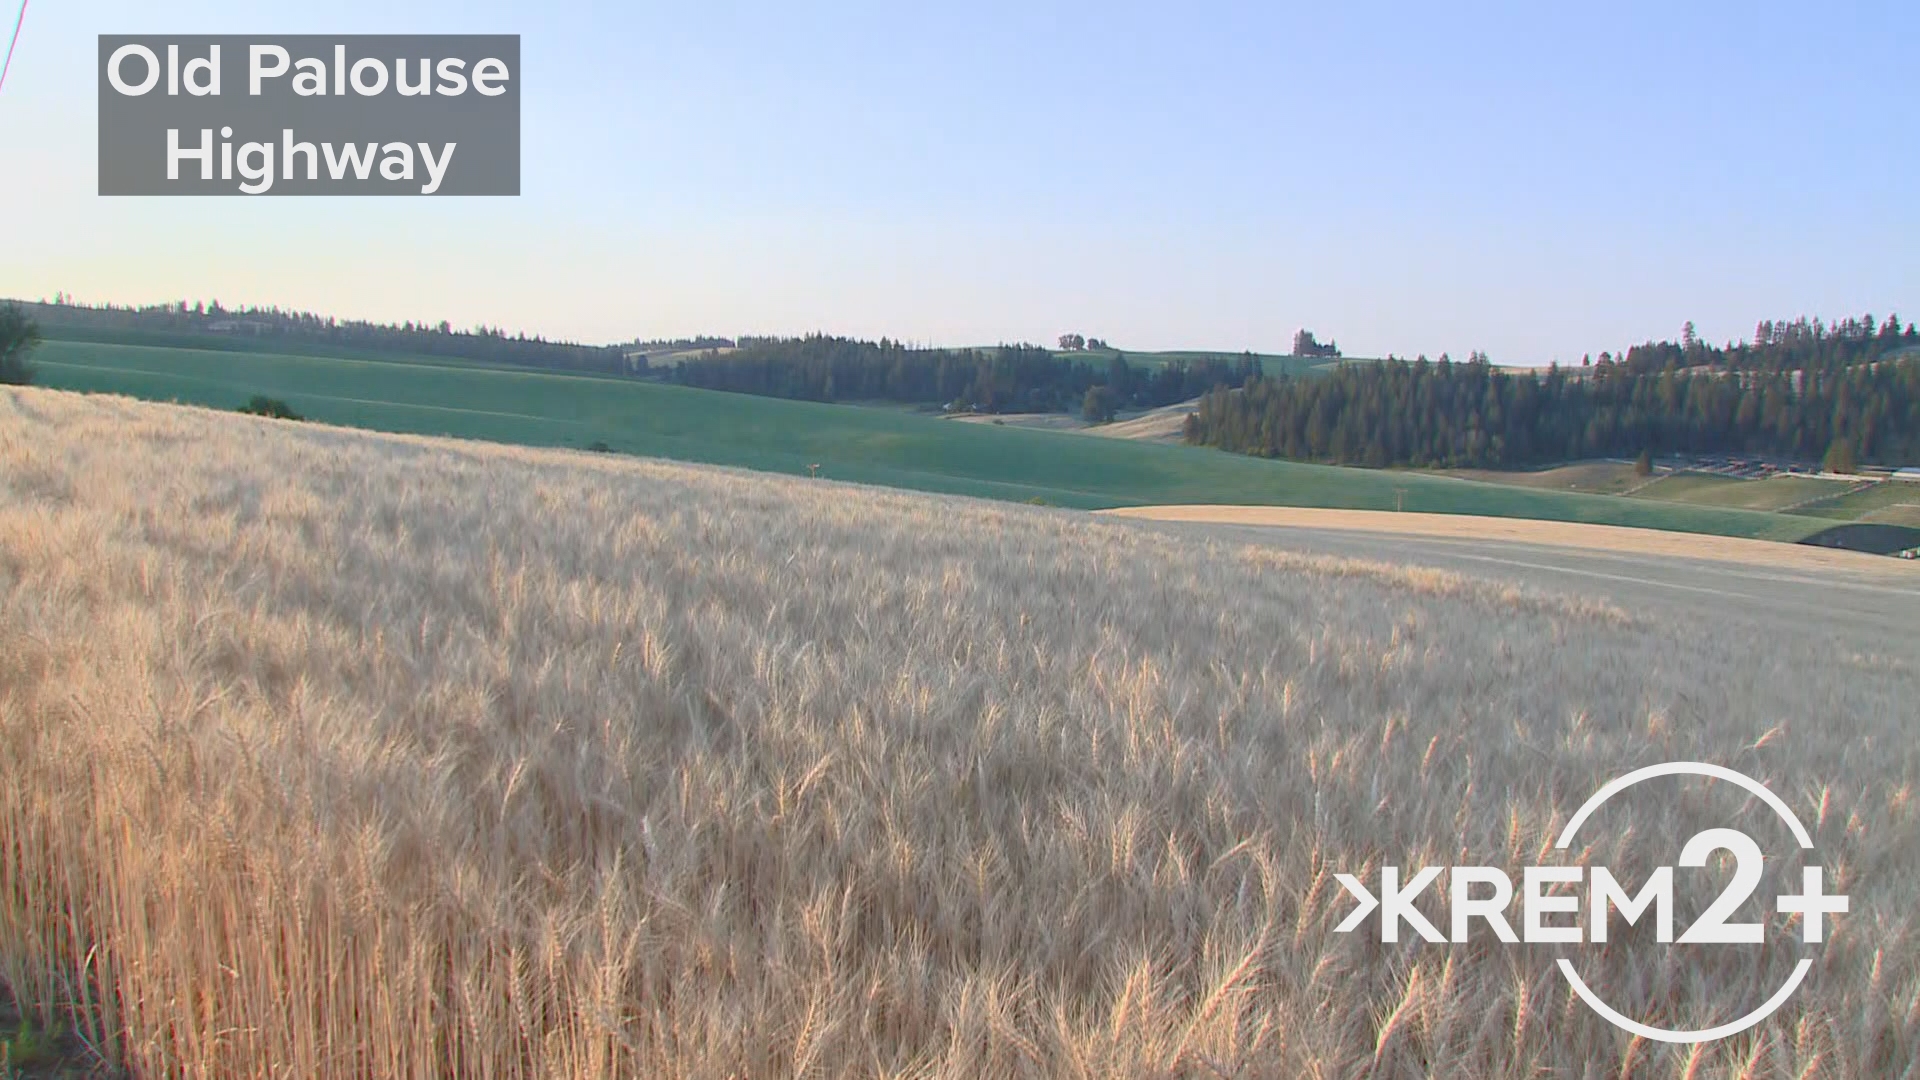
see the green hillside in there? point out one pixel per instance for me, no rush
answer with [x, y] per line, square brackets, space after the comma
[162, 339]
[849, 443]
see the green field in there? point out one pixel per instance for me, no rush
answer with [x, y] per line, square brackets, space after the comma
[243, 343]
[899, 449]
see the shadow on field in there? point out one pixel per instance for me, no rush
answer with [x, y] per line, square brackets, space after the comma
[1872, 539]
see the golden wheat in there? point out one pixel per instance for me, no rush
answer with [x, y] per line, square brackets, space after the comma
[340, 755]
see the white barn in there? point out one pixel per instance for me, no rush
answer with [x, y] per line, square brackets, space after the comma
[1910, 475]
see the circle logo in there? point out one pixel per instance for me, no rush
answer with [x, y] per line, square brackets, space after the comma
[1812, 904]
[1605, 895]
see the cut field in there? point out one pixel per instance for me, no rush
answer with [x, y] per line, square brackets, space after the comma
[891, 447]
[1796, 496]
[1906, 513]
[333, 754]
[1771, 493]
[1891, 496]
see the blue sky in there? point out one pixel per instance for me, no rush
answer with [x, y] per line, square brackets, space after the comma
[1533, 180]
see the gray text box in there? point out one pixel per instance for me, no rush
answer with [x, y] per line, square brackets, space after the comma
[346, 124]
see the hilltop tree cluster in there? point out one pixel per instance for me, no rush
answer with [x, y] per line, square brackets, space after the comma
[1006, 378]
[1082, 343]
[1305, 344]
[207, 321]
[1844, 393]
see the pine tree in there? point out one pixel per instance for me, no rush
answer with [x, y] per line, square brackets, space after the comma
[1840, 457]
[18, 336]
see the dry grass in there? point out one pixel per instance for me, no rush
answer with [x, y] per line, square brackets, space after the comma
[1038, 421]
[341, 755]
[1616, 538]
[1598, 477]
[1164, 424]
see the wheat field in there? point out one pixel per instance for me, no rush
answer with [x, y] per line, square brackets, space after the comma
[331, 754]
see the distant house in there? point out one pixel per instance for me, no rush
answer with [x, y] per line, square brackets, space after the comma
[1909, 475]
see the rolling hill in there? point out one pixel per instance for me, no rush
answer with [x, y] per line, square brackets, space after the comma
[890, 447]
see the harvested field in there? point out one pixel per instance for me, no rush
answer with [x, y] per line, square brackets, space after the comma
[1559, 533]
[1907, 514]
[1770, 493]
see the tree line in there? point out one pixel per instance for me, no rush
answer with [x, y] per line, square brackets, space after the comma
[1002, 379]
[208, 323]
[19, 334]
[1800, 389]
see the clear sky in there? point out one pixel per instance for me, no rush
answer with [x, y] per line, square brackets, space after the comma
[1537, 180]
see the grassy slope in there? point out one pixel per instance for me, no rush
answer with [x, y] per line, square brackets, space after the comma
[1595, 477]
[867, 445]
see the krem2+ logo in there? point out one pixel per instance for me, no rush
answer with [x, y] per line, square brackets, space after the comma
[1544, 915]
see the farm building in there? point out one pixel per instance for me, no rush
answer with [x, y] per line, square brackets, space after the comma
[1909, 475]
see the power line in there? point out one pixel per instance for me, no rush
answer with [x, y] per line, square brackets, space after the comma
[8, 65]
